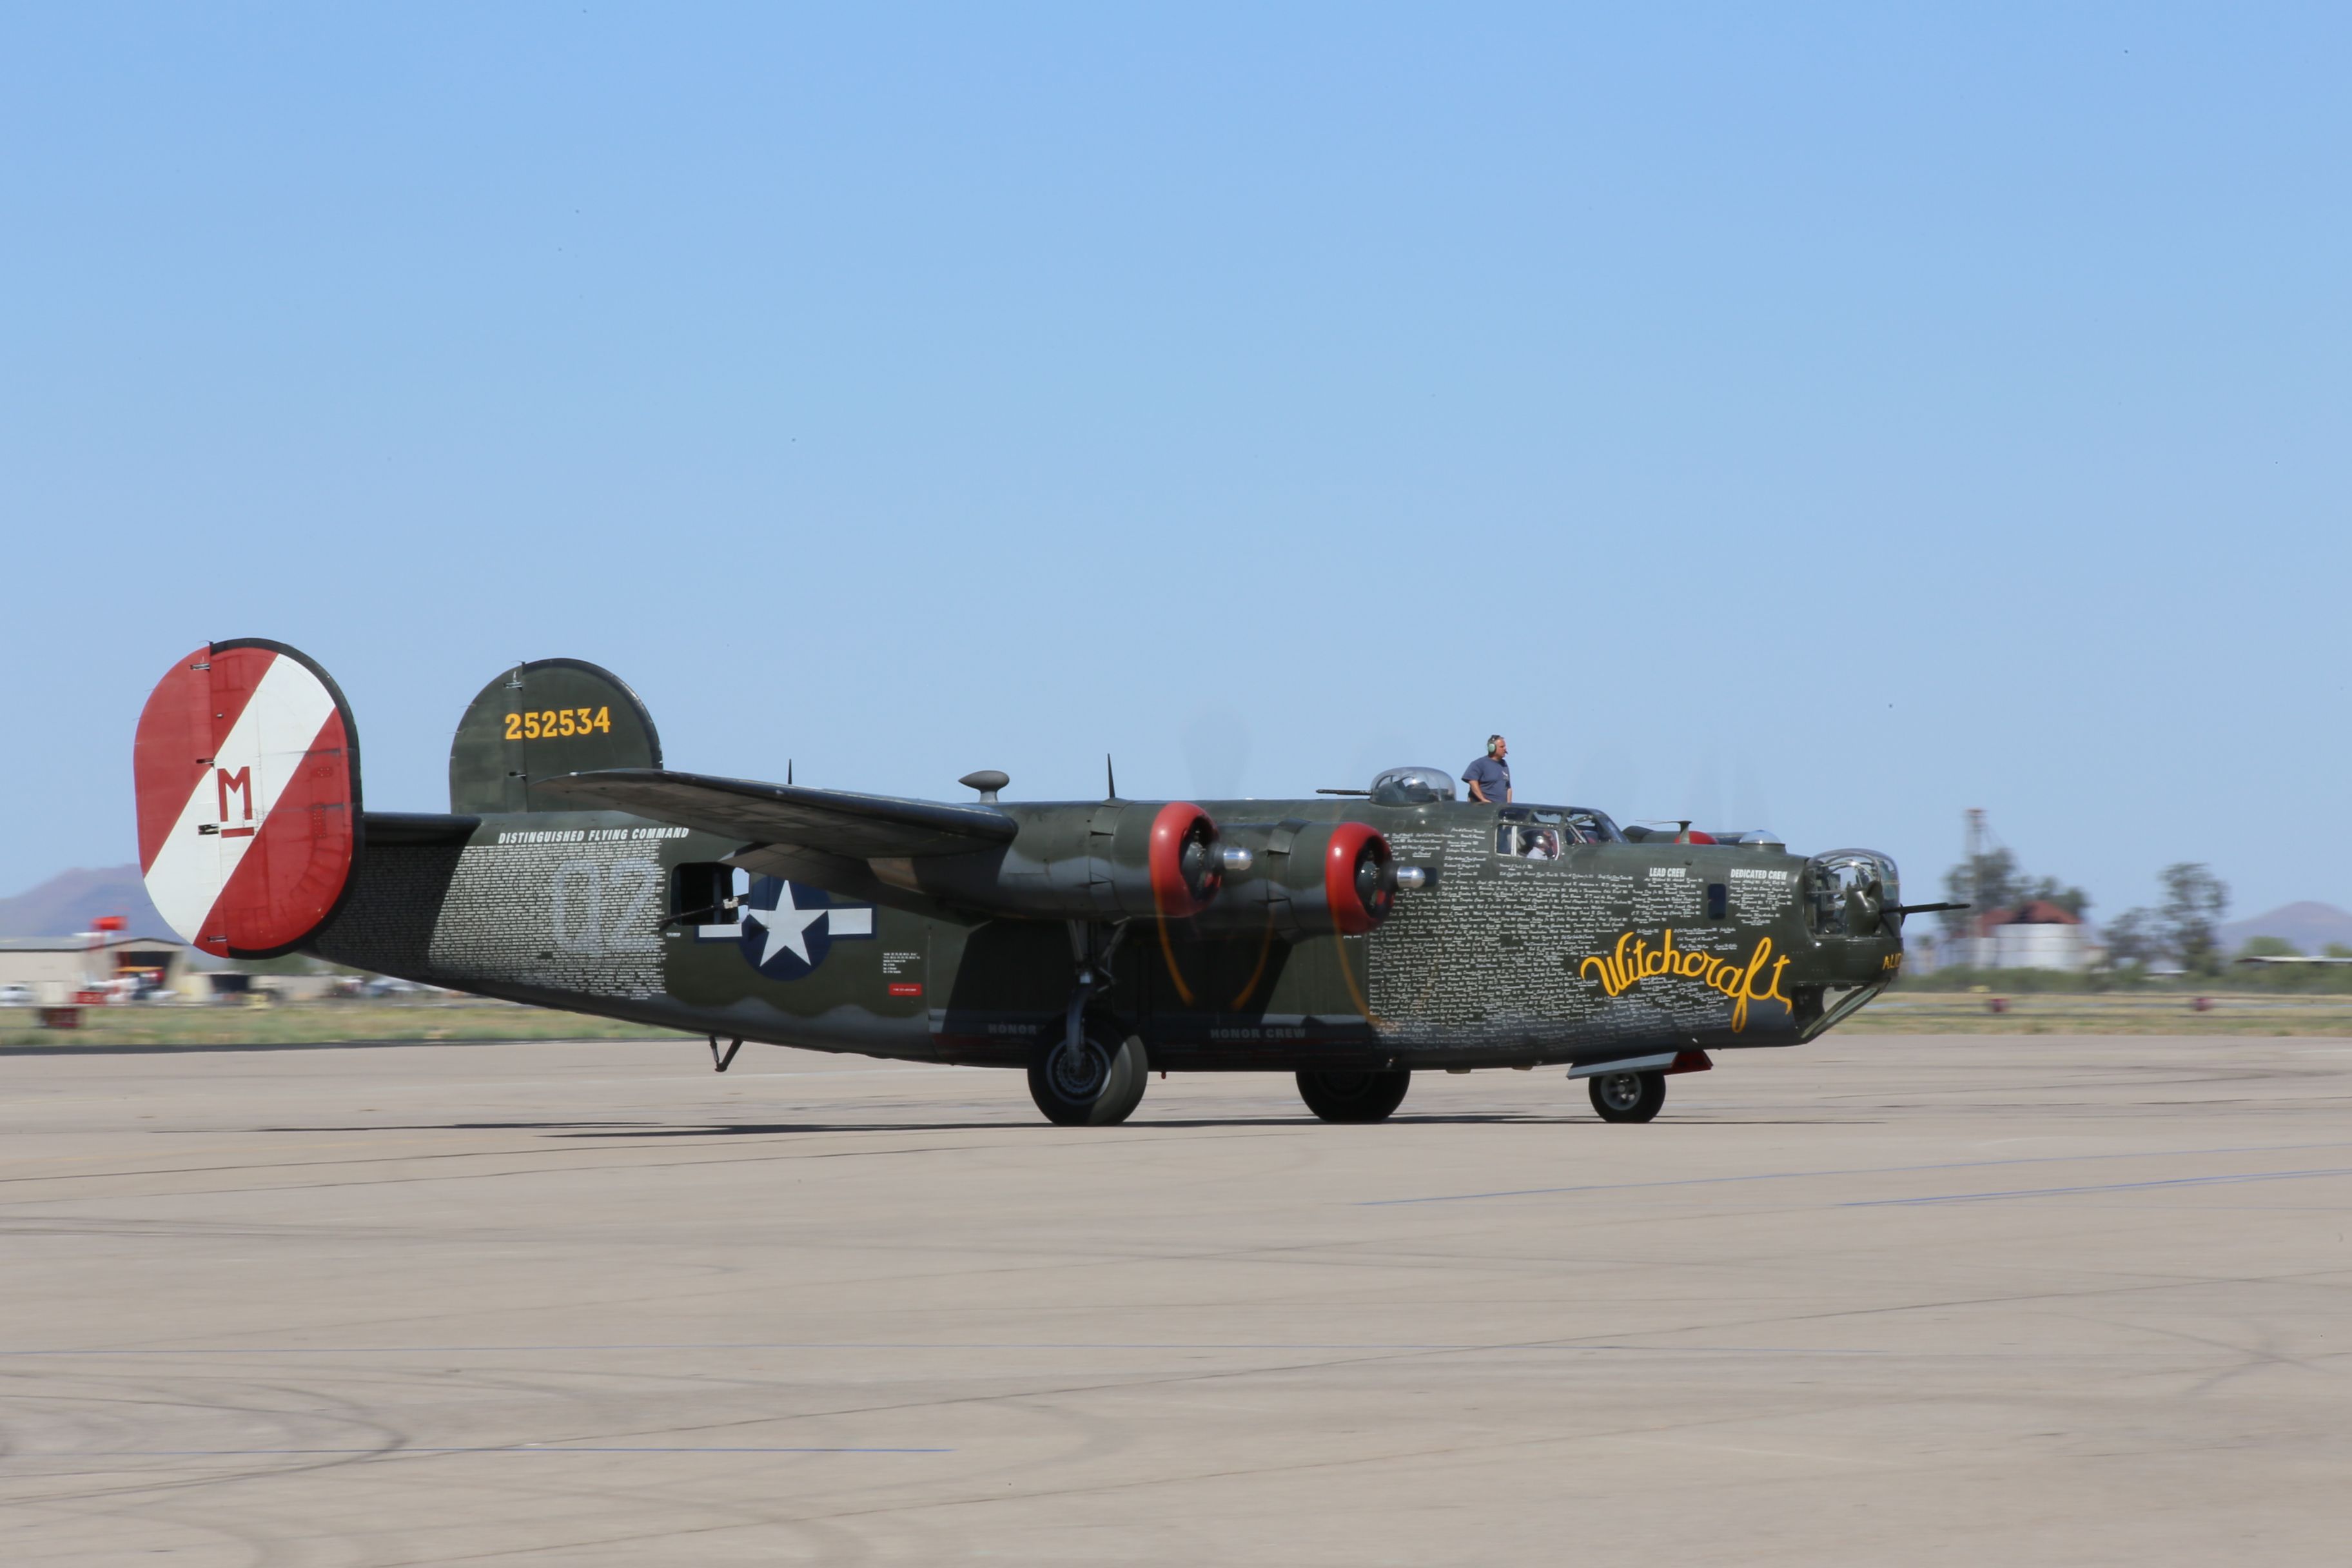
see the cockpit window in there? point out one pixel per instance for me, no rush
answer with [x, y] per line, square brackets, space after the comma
[1580, 823]
[1594, 826]
[1534, 832]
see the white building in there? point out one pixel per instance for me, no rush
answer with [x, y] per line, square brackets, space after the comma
[54, 967]
[2037, 935]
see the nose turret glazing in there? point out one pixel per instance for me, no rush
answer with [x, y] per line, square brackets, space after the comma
[1849, 891]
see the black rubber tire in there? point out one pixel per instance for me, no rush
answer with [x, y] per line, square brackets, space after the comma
[1101, 1090]
[1354, 1096]
[1628, 1096]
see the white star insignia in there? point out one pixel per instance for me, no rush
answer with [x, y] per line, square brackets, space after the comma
[785, 926]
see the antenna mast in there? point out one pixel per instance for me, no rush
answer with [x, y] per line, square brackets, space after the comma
[1972, 850]
[1972, 853]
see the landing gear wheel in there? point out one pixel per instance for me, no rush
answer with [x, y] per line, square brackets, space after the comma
[1628, 1096]
[1354, 1096]
[1097, 1085]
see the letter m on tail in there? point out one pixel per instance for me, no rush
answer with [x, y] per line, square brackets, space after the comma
[241, 782]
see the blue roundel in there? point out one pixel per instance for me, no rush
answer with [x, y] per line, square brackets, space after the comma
[789, 927]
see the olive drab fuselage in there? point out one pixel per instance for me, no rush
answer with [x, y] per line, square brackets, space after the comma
[1499, 958]
[1390, 928]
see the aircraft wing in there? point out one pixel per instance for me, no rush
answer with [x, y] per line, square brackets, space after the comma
[830, 821]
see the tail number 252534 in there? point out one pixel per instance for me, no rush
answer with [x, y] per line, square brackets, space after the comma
[550, 723]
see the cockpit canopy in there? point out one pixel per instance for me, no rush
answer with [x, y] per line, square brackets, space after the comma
[1543, 832]
[1529, 832]
[1412, 786]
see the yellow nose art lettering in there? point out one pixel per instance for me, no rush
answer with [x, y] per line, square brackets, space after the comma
[1755, 978]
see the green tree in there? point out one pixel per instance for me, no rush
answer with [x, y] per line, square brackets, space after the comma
[2269, 947]
[2050, 891]
[1994, 881]
[1985, 881]
[2132, 938]
[2194, 901]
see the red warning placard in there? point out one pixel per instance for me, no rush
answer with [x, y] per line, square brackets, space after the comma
[248, 797]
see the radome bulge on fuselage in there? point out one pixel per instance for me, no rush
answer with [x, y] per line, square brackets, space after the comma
[1351, 938]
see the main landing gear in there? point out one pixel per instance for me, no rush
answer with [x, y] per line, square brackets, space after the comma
[1088, 1082]
[1628, 1096]
[1354, 1096]
[1092, 1076]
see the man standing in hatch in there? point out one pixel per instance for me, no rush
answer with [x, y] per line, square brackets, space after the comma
[1489, 777]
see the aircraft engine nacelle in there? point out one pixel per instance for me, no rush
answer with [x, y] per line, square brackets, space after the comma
[1120, 859]
[1304, 879]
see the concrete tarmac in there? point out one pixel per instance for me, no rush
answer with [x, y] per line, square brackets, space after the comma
[1986, 1299]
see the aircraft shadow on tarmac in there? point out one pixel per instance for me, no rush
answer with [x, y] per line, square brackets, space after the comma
[1190, 1123]
[632, 1130]
[118, 1048]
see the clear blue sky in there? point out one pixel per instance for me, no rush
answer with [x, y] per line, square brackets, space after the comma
[1821, 418]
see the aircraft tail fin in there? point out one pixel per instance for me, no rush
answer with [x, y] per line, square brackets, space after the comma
[248, 773]
[539, 720]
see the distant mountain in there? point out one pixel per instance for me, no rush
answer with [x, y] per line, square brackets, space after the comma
[2311, 927]
[70, 901]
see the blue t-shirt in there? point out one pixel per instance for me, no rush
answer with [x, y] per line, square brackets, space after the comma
[1492, 774]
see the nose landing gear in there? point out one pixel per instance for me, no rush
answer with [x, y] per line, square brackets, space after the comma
[1628, 1096]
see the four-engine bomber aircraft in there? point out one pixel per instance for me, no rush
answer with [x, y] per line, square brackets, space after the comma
[1352, 939]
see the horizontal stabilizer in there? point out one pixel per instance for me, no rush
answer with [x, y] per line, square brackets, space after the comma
[834, 821]
[417, 829]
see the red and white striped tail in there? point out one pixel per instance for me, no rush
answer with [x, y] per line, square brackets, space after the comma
[248, 767]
